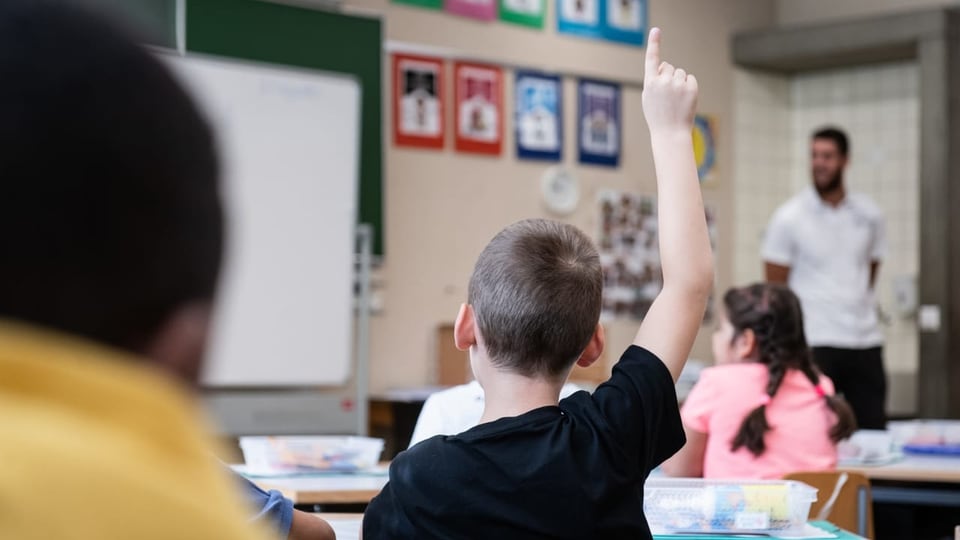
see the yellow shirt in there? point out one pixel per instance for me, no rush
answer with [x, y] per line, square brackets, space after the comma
[96, 445]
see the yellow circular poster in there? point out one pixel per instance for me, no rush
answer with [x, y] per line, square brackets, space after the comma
[704, 148]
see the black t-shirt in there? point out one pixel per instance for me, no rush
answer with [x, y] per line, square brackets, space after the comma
[571, 471]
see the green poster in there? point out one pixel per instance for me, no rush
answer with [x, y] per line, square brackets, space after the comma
[524, 12]
[429, 4]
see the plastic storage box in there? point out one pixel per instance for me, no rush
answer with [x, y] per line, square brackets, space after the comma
[684, 505]
[281, 455]
[931, 437]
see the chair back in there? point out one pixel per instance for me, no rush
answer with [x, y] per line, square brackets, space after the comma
[849, 495]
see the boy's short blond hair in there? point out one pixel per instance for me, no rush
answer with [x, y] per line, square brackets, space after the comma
[536, 294]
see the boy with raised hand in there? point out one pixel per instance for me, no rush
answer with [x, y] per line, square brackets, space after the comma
[536, 467]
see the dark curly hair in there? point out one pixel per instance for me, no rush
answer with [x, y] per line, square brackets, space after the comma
[774, 315]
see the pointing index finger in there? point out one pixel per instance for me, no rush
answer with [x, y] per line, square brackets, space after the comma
[653, 53]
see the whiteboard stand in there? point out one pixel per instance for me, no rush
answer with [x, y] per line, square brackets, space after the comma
[316, 410]
[362, 347]
[292, 317]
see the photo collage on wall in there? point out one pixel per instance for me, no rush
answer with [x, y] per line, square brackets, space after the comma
[630, 254]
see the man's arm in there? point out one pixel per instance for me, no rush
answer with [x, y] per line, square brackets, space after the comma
[776, 273]
[672, 323]
[878, 250]
[874, 271]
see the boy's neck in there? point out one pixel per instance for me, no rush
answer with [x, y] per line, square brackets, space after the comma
[509, 394]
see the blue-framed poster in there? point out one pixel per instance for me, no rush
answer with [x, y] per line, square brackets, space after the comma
[598, 122]
[580, 17]
[621, 21]
[539, 116]
[625, 21]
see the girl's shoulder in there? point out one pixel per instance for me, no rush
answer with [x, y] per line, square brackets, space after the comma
[734, 372]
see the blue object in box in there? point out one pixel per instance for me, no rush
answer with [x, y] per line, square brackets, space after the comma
[950, 450]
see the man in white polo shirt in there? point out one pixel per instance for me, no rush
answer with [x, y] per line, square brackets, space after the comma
[827, 244]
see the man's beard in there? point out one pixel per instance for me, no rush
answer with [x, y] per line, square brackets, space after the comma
[834, 184]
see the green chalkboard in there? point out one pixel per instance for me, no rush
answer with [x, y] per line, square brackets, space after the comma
[153, 20]
[286, 35]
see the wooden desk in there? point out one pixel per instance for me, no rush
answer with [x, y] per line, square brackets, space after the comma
[914, 481]
[913, 469]
[326, 489]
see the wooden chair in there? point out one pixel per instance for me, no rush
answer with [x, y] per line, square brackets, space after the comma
[453, 365]
[852, 507]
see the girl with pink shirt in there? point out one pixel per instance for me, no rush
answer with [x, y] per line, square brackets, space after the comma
[764, 410]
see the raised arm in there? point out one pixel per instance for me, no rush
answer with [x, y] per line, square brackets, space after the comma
[671, 324]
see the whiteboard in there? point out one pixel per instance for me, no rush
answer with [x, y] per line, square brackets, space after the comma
[289, 147]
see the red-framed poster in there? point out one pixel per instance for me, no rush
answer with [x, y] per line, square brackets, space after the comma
[479, 108]
[418, 101]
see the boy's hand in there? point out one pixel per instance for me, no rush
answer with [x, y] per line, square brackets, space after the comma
[669, 94]
[674, 318]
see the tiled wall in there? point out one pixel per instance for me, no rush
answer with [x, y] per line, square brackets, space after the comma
[878, 107]
[762, 180]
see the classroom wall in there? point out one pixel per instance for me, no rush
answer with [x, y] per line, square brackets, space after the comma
[812, 11]
[442, 207]
[878, 105]
[761, 168]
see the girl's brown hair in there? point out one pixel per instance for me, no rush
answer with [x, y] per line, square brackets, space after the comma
[773, 313]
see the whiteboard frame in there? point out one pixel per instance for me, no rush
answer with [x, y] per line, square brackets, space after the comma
[256, 409]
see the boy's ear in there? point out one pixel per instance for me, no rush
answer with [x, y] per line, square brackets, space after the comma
[465, 328]
[594, 348]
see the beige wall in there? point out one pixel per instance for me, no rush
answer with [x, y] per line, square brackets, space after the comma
[761, 168]
[812, 11]
[442, 207]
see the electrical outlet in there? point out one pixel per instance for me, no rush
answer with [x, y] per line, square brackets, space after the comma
[929, 318]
